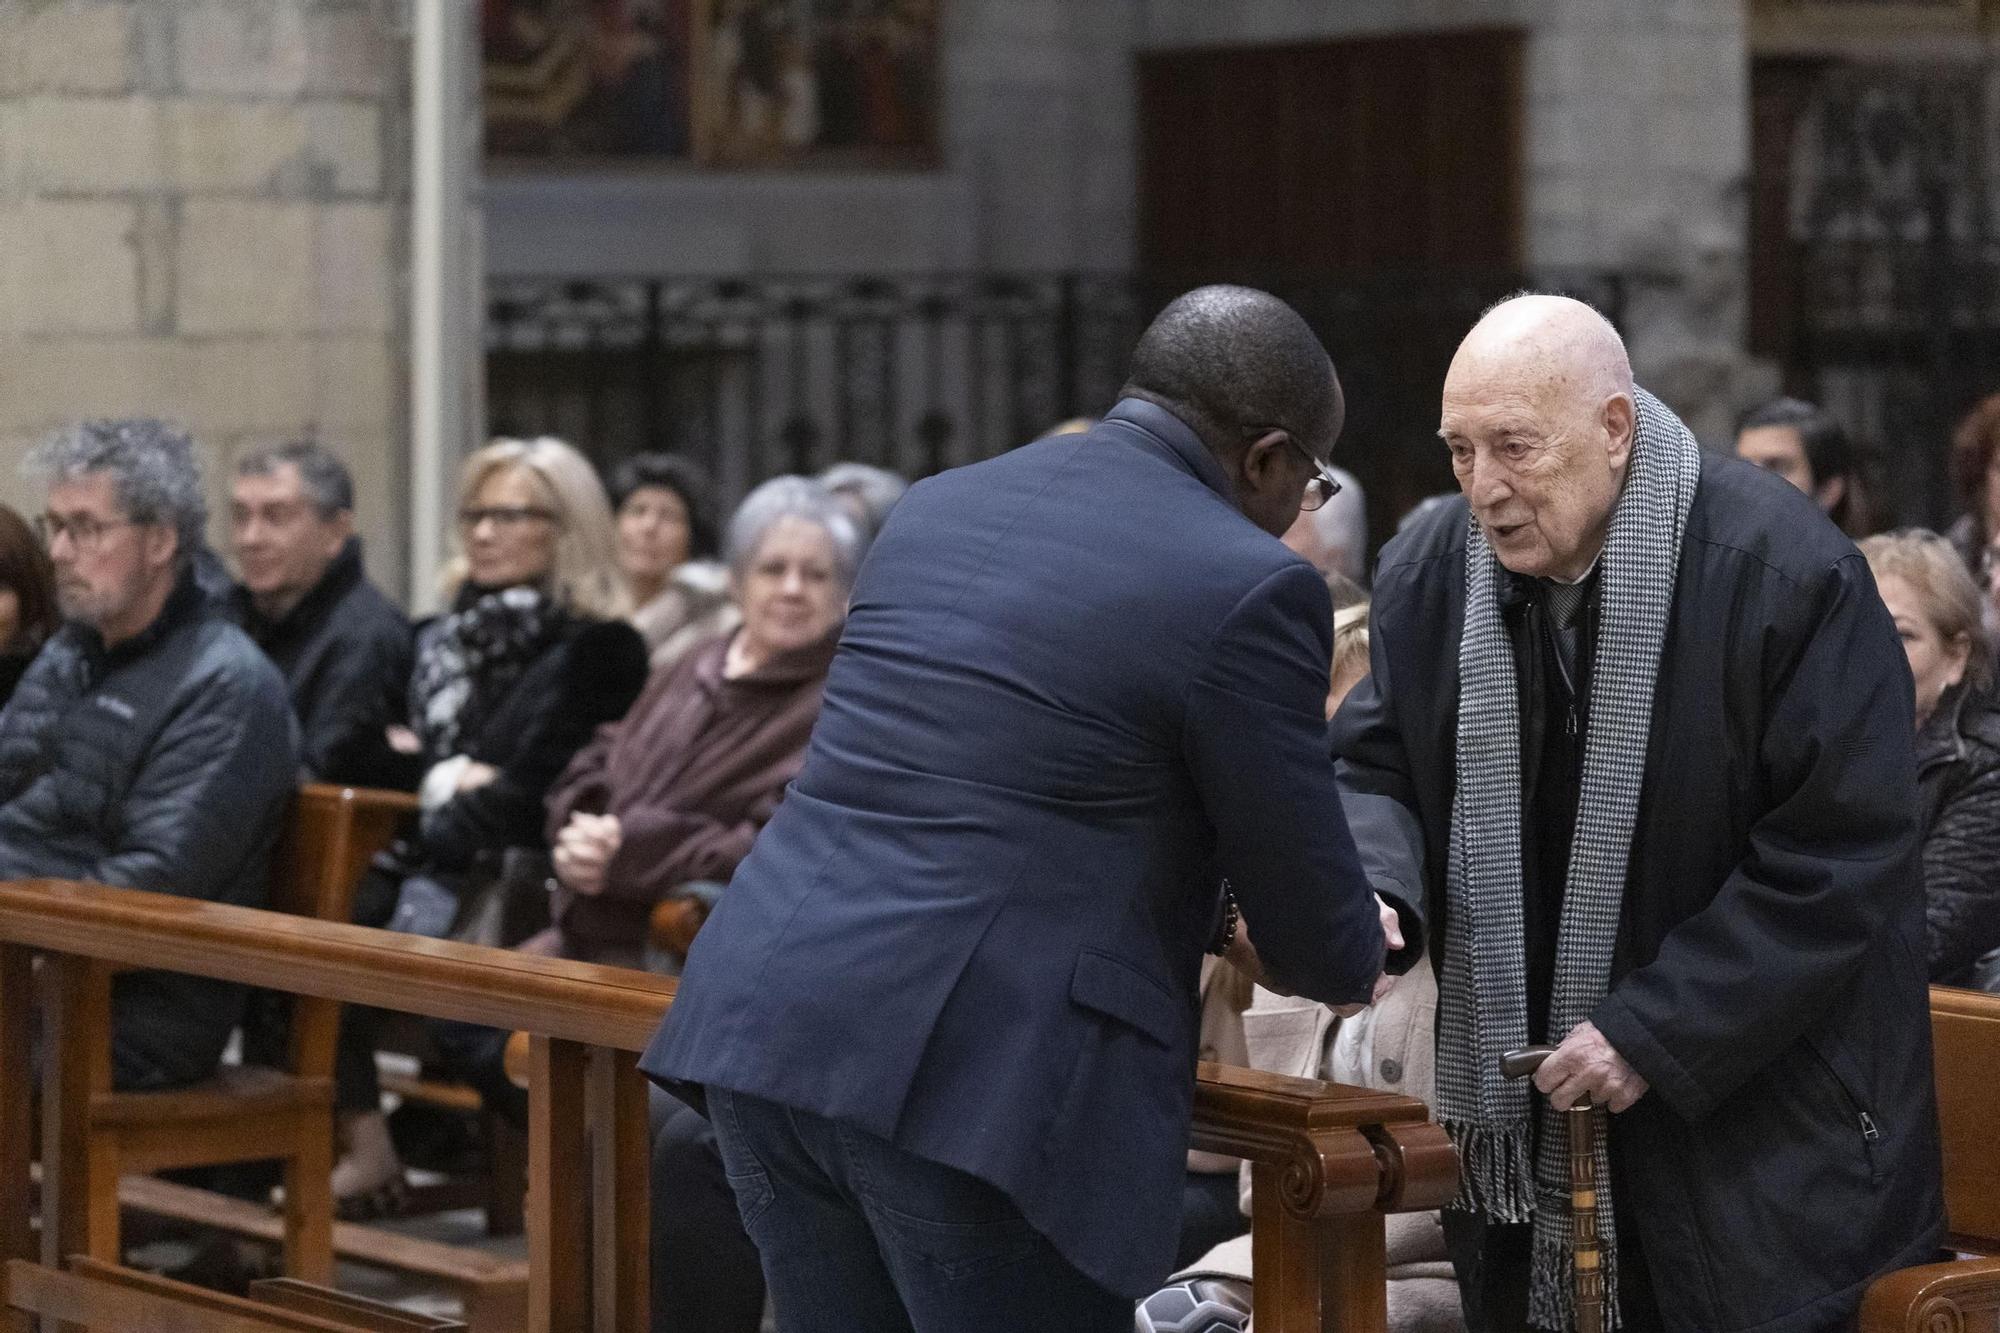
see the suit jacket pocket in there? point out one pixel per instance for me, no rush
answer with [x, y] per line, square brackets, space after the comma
[1117, 989]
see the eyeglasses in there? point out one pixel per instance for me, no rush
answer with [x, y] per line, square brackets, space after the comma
[503, 516]
[84, 532]
[1322, 487]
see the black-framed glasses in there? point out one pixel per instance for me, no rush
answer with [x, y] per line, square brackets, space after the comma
[83, 531]
[1322, 486]
[503, 516]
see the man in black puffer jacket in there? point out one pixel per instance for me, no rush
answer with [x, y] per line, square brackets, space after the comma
[151, 745]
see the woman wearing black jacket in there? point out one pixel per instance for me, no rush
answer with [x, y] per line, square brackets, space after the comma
[1936, 608]
[509, 683]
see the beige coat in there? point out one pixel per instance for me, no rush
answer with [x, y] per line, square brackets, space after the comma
[1389, 1047]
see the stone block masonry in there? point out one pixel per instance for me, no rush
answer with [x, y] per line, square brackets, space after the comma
[203, 206]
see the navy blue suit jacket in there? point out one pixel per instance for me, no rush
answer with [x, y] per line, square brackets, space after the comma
[1076, 688]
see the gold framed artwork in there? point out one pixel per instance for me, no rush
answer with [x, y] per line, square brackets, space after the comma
[801, 81]
[712, 82]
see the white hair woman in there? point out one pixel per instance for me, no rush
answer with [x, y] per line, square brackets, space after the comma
[664, 806]
[530, 659]
[1936, 607]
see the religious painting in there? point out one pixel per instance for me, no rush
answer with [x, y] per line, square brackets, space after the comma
[587, 78]
[781, 82]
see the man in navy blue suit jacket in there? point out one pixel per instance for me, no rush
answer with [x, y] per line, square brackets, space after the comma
[944, 1017]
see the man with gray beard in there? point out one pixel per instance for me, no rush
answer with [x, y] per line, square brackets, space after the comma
[150, 745]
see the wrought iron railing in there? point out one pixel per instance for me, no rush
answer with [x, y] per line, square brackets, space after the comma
[919, 372]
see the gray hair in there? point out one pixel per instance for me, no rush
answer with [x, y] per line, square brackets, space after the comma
[793, 497]
[153, 467]
[323, 477]
[876, 488]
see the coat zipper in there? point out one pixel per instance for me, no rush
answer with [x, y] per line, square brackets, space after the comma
[1871, 1133]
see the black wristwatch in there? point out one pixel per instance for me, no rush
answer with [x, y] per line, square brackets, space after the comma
[1225, 930]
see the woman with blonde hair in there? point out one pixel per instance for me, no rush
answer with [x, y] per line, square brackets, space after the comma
[1936, 607]
[529, 659]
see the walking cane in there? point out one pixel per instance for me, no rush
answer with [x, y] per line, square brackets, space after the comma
[1588, 1254]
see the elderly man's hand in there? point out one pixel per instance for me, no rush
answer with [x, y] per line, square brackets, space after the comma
[1586, 1065]
[1392, 940]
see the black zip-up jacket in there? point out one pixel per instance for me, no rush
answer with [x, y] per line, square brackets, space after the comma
[1958, 783]
[1769, 974]
[345, 652]
[165, 764]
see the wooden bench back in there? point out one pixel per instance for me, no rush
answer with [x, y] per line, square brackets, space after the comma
[326, 846]
[1965, 1030]
[333, 834]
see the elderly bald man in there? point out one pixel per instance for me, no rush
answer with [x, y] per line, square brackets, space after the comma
[1638, 734]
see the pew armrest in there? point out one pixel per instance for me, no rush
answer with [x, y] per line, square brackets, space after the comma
[1339, 1150]
[1963, 1295]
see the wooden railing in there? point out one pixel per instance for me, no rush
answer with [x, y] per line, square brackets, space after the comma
[1328, 1160]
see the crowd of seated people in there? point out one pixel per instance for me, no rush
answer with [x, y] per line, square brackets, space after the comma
[611, 705]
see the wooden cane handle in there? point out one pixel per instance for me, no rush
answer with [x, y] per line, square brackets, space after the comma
[1522, 1063]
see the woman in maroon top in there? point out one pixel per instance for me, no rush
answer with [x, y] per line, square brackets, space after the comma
[668, 799]
[671, 796]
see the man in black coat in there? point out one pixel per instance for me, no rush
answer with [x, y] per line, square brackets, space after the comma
[1650, 703]
[150, 745]
[344, 648]
[944, 1017]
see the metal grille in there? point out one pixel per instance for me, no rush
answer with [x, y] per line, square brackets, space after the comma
[922, 372]
[1898, 254]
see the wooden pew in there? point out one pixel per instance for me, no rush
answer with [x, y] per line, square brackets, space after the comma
[1330, 1160]
[245, 1113]
[1961, 1297]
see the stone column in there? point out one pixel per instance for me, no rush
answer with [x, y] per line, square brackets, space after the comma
[203, 216]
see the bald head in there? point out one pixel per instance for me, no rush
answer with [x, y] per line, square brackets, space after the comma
[1547, 343]
[1539, 417]
[1225, 359]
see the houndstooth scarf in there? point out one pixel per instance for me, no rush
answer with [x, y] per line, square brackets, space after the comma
[1512, 1168]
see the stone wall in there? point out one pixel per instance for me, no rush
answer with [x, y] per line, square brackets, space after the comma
[202, 217]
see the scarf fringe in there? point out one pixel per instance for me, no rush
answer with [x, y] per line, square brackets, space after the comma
[1496, 1176]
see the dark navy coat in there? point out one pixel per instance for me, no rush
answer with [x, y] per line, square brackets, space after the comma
[1076, 688]
[1769, 974]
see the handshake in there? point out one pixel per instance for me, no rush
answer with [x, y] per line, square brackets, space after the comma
[1242, 955]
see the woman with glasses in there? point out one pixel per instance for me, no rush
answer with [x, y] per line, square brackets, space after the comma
[509, 683]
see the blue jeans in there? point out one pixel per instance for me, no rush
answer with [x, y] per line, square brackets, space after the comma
[858, 1236]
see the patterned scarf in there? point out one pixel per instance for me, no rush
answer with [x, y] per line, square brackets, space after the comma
[472, 658]
[1513, 1150]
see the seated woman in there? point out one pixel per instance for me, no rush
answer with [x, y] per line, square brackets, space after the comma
[668, 800]
[508, 685]
[1937, 612]
[666, 555]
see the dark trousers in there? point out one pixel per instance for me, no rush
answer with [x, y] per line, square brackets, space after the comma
[1492, 1263]
[858, 1236]
[1211, 1212]
[706, 1278]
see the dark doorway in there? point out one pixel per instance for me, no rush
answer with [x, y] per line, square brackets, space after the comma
[1375, 183]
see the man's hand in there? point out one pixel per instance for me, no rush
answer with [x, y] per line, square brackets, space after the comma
[1392, 940]
[583, 849]
[1586, 1065]
[1242, 955]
